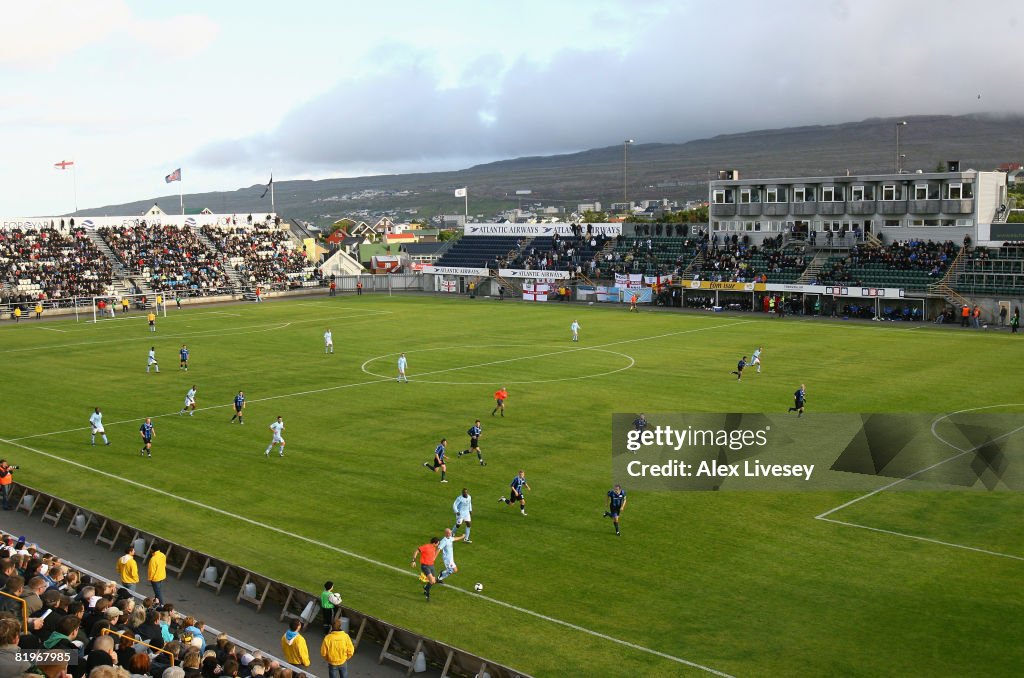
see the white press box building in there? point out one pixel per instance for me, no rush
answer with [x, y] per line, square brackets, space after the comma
[934, 206]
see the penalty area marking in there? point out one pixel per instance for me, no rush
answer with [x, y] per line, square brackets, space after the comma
[420, 380]
[961, 452]
[370, 561]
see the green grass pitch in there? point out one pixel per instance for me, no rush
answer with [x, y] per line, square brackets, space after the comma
[748, 584]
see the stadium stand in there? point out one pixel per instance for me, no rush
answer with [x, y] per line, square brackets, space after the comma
[263, 255]
[995, 270]
[738, 262]
[478, 251]
[557, 253]
[48, 265]
[167, 258]
[914, 264]
[656, 255]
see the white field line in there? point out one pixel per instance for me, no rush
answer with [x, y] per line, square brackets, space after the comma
[202, 334]
[339, 387]
[368, 560]
[924, 539]
[962, 452]
[49, 329]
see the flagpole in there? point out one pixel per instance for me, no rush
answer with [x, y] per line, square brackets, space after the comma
[273, 209]
[74, 183]
[181, 196]
[466, 196]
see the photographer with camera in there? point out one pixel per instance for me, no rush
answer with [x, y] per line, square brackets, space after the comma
[6, 478]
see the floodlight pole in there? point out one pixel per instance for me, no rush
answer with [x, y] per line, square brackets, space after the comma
[625, 191]
[899, 165]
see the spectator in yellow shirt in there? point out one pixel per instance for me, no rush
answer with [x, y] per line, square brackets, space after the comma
[128, 569]
[336, 650]
[157, 572]
[293, 645]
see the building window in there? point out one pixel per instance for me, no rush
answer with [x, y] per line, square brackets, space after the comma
[954, 191]
[858, 194]
[889, 192]
[744, 195]
[772, 195]
[719, 197]
[891, 223]
[921, 192]
[917, 222]
[803, 194]
[828, 193]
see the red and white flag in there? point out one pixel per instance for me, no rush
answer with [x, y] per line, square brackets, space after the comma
[63, 164]
[173, 176]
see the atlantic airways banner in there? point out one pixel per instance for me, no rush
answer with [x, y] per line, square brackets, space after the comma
[455, 270]
[533, 274]
[540, 230]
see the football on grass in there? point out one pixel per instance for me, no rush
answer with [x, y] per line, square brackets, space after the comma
[478, 587]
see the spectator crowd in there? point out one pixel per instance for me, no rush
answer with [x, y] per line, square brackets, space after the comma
[168, 257]
[110, 632]
[61, 265]
[262, 255]
[924, 256]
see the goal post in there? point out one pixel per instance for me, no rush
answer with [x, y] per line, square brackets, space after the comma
[113, 306]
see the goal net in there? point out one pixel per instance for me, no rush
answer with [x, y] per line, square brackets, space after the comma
[123, 306]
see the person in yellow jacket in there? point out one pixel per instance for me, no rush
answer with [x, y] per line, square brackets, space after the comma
[156, 573]
[128, 569]
[293, 645]
[336, 650]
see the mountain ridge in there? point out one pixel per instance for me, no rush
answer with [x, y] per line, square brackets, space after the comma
[655, 169]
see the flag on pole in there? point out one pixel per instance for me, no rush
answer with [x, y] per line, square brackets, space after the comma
[173, 176]
[460, 192]
[269, 184]
[63, 164]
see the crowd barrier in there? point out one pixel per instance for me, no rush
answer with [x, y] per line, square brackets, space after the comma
[398, 645]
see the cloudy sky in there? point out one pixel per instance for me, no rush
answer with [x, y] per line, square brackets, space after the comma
[230, 90]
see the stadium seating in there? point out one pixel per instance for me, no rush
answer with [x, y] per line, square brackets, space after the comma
[913, 264]
[656, 255]
[996, 270]
[737, 262]
[167, 257]
[551, 253]
[263, 255]
[478, 251]
[51, 266]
